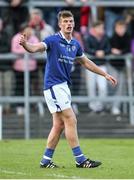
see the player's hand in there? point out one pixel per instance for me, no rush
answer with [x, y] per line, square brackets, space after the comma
[111, 79]
[23, 39]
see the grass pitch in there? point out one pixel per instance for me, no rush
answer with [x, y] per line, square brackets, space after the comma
[20, 159]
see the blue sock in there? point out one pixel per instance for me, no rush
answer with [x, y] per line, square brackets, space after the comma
[79, 157]
[48, 154]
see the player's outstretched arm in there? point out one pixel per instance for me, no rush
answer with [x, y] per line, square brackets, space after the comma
[32, 48]
[91, 66]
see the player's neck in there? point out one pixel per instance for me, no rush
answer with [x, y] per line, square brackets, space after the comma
[67, 36]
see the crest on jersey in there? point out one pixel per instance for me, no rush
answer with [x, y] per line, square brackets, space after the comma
[73, 48]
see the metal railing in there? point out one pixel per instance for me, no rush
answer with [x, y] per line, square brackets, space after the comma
[27, 99]
[59, 3]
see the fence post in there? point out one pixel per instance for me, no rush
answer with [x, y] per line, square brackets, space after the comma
[26, 96]
[94, 13]
[0, 122]
[130, 88]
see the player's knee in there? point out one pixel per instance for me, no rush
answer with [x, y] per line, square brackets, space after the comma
[69, 118]
[58, 127]
[70, 121]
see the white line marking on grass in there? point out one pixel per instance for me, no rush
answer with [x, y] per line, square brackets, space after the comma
[63, 176]
[11, 172]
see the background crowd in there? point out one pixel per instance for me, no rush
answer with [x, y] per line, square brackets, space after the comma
[111, 34]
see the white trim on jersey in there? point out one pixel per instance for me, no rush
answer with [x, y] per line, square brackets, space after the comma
[80, 56]
[62, 35]
[44, 44]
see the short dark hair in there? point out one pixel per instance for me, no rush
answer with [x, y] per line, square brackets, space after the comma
[97, 23]
[64, 14]
[120, 22]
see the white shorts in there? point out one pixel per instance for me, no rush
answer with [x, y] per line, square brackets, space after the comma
[58, 97]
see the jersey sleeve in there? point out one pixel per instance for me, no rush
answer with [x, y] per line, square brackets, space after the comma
[47, 42]
[80, 52]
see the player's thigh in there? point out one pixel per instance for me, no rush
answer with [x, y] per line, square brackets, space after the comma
[68, 116]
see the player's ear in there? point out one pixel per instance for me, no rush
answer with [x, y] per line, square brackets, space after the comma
[59, 24]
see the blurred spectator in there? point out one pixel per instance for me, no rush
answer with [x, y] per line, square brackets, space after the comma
[14, 15]
[120, 43]
[129, 19]
[85, 12]
[40, 27]
[42, 30]
[112, 14]
[4, 40]
[50, 14]
[98, 45]
[5, 68]
[19, 65]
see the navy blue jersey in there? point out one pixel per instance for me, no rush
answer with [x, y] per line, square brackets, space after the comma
[61, 55]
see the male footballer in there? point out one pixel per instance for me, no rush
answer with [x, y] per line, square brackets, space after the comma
[62, 51]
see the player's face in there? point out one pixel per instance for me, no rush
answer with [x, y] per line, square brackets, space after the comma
[66, 24]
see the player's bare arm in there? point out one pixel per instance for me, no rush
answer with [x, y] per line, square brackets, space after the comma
[91, 66]
[31, 48]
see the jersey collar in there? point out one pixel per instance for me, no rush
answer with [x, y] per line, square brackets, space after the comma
[62, 35]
